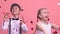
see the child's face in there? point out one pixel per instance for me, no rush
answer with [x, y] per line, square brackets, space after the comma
[15, 11]
[44, 14]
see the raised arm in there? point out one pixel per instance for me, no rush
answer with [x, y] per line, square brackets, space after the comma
[54, 26]
[23, 25]
[5, 22]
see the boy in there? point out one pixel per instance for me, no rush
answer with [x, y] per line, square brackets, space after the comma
[15, 25]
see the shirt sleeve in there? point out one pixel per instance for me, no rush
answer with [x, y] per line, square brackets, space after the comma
[24, 27]
[5, 25]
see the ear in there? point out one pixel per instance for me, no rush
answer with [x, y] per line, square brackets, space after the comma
[40, 16]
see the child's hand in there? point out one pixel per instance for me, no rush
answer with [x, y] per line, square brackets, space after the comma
[21, 20]
[6, 15]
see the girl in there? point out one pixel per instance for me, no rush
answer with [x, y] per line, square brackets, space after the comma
[43, 25]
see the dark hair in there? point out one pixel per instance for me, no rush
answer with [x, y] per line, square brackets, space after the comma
[14, 4]
[39, 12]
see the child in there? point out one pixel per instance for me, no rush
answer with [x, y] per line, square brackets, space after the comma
[43, 25]
[15, 25]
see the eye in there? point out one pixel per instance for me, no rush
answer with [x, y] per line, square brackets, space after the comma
[16, 8]
[45, 12]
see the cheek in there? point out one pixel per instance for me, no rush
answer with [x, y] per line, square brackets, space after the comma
[18, 12]
[15, 12]
[43, 15]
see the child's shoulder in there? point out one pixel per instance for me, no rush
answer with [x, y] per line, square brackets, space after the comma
[39, 22]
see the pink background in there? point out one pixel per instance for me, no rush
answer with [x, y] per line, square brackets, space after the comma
[30, 11]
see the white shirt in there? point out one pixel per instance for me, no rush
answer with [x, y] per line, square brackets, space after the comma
[47, 28]
[15, 26]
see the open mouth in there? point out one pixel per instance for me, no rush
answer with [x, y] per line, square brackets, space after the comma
[47, 17]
